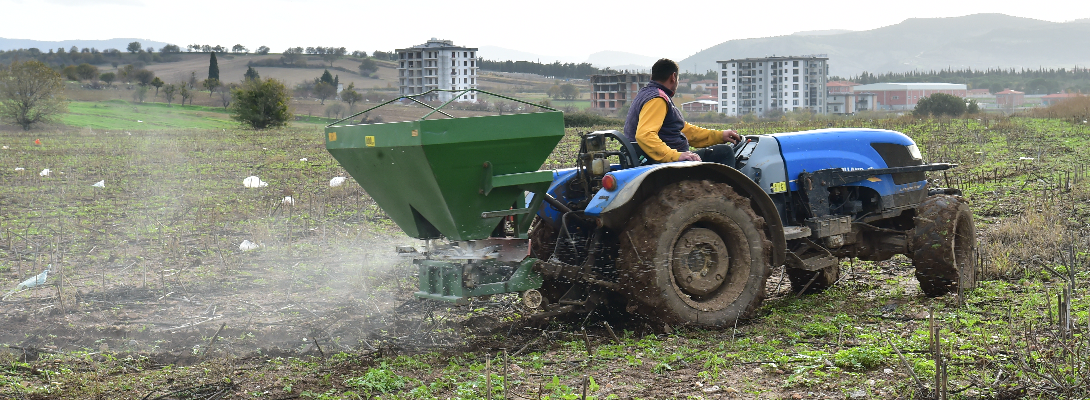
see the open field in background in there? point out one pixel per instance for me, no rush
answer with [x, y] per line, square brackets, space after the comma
[152, 294]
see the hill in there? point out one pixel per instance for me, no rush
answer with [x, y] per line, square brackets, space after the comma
[45, 45]
[974, 41]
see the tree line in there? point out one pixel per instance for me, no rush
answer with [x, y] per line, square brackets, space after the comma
[556, 69]
[1031, 81]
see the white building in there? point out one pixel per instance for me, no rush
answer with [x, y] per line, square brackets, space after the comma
[760, 85]
[437, 64]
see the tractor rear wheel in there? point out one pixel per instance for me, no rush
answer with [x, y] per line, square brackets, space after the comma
[944, 245]
[542, 244]
[695, 253]
[542, 239]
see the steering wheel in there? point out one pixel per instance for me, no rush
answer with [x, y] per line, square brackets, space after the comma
[741, 143]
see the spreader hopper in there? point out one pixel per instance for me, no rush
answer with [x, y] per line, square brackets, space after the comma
[454, 177]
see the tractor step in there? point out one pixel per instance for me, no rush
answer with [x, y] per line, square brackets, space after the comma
[796, 232]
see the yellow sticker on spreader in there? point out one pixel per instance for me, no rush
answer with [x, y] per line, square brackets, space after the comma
[369, 140]
[874, 179]
[332, 136]
[778, 187]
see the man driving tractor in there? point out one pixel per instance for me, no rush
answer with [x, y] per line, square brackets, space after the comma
[656, 125]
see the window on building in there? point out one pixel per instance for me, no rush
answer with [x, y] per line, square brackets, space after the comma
[465, 72]
[795, 80]
[471, 55]
[732, 72]
[795, 95]
[895, 97]
[453, 81]
[473, 81]
[732, 94]
[795, 87]
[794, 63]
[724, 103]
[472, 63]
[454, 54]
[794, 102]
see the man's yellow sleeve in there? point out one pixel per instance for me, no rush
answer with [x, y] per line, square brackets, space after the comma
[647, 132]
[700, 137]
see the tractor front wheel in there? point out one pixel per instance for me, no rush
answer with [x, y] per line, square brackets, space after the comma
[943, 245]
[695, 253]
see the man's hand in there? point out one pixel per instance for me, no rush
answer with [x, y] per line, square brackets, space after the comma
[731, 136]
[688, 156]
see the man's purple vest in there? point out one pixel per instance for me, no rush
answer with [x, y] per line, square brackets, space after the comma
[671, 125]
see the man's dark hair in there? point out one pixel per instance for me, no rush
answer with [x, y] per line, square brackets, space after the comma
[662, 69]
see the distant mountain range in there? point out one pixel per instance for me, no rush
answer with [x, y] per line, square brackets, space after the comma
[44, 46]
[978, 41]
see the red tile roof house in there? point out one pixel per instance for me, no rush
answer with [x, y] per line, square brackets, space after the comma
[1058, 97]
[840, 86]
[1010, 98]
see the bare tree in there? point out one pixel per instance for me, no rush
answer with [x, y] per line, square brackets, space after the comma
[225, 94]
[31, 92]
[168, 93]
[186, 94]
[324, 91]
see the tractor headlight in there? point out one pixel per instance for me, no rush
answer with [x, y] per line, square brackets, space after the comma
[914, 152]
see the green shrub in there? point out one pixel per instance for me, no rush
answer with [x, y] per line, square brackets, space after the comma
[377, 380]
[261, 103]
[583, 119]
[860, 358]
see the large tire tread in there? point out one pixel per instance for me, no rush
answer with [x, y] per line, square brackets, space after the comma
[642, 281]
[943, 245]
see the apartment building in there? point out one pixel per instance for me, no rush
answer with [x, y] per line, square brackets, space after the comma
[611, 92]
[437, 64]
[762, 85]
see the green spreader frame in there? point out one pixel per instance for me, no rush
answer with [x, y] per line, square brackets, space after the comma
[457, 178]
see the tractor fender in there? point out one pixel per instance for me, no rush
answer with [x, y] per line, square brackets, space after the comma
[635, 185]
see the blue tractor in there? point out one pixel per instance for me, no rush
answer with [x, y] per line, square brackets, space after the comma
[694, 243]
[682, 243]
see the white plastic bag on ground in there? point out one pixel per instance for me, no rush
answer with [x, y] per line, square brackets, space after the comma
[338, 181]
[247, 245]
[254, 182]
[45, 172]
[288, 201]
[100, 184]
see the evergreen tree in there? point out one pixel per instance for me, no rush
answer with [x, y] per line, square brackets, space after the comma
[326, 77]
[213, 68]
[251, 74]
[336, 81]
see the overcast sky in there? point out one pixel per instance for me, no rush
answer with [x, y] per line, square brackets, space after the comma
[568, 28]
